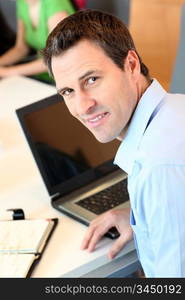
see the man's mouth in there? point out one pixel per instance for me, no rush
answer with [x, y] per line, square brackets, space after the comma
[96, 120]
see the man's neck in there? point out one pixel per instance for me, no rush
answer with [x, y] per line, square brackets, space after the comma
[142, 86]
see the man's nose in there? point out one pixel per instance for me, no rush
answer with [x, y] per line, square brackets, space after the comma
[85, 103]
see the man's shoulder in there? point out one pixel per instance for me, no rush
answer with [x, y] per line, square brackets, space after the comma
[172, 112]
[164, 138]
[175, 101]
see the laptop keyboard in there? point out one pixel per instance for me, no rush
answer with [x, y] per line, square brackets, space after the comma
[106, 199]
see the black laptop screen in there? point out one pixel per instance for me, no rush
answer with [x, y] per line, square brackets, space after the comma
[67, 154]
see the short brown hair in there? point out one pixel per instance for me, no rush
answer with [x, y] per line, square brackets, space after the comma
[102, 28]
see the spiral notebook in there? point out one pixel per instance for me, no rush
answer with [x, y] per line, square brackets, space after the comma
[22, 243]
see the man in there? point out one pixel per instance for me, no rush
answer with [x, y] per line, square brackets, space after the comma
[106, 86]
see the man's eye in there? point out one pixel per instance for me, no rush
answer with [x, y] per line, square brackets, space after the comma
[91, 80]
[67, 92]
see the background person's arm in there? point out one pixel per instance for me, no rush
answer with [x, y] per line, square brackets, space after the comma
[34, 67]
[20, 50]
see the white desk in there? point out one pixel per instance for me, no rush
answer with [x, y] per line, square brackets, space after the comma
[21, 186]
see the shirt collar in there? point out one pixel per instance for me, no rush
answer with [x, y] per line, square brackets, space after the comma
[148, 103]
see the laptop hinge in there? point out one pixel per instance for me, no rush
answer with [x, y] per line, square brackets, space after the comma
[55, 195]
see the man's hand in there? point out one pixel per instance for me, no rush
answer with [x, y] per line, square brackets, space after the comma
[98, 227]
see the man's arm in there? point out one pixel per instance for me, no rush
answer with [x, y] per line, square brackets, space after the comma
[165, 215]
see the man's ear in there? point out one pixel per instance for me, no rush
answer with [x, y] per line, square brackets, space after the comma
[132, 63]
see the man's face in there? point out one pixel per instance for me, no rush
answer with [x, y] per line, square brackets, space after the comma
[96, 91]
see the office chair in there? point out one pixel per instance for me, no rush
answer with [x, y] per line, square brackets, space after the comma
[177, 84]
[119, 8]
[7, 35]
[8, 8]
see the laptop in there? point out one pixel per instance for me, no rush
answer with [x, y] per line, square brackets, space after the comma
[77, 170]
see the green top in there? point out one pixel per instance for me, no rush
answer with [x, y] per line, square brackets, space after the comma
[36, 36]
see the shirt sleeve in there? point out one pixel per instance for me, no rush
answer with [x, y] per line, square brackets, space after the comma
[54, 6]
[164, 202]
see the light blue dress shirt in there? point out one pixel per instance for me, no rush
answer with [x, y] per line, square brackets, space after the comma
[153, 155]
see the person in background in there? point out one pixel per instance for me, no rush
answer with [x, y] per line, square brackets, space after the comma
[35, 20]
[108, 88]
[79, 4]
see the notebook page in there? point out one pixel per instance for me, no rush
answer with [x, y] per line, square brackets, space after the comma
[23, 236]
[15, 265]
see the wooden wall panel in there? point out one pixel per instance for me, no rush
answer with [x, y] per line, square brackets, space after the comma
[155, 27]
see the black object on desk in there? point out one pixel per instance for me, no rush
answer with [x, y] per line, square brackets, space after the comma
[18, 213]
